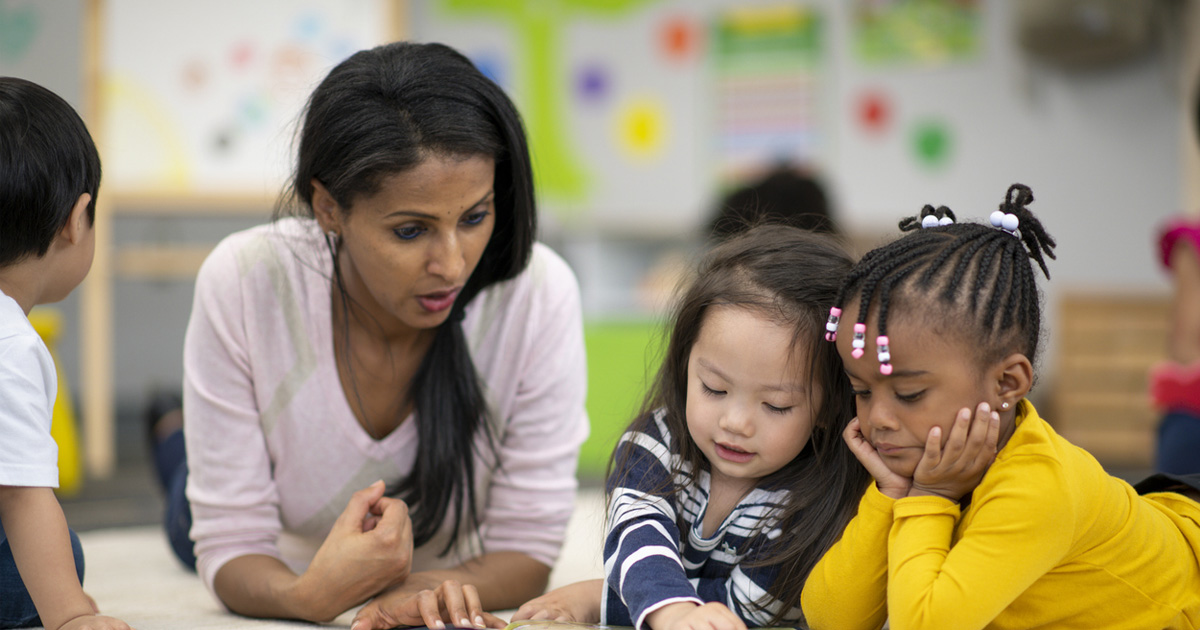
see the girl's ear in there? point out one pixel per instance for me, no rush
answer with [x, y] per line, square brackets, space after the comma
[78, 224]
[1014, 378]
[325, 208]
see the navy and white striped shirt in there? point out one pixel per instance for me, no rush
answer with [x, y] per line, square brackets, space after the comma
[648, 564]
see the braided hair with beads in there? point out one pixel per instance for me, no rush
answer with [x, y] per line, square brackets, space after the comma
[980, 274]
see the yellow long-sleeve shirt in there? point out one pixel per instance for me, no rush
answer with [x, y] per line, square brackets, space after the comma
[1049, 540]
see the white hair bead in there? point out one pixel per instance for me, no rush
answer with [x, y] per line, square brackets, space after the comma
[929, 221]
[1010, 222]
[945, 221]
[997, 218]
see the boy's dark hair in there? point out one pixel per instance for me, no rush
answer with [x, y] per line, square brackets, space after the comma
[978, 276]
[785, 196]
[47, 160]
[384, 111]
[790, 276]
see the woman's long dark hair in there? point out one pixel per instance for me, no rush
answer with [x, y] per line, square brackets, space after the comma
[384, 111]
[790, 276]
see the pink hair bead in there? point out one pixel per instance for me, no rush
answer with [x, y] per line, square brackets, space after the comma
[885, 354]
[860, 340]
[831, 326]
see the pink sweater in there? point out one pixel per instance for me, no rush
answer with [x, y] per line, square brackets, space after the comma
[274, 450]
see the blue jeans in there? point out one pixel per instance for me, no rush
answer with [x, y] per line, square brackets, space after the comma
[1179, 444]
[16, 607]
[170, 462]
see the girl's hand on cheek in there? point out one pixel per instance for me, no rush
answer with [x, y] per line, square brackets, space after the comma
[888, 482]
[955, 469]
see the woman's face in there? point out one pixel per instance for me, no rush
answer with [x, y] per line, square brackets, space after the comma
[406, 251]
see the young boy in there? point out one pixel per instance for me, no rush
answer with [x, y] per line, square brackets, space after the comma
[49, 176]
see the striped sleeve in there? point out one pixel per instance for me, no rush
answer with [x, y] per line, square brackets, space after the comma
[642, 563]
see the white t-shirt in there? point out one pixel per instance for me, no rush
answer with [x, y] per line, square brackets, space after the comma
[28, 385]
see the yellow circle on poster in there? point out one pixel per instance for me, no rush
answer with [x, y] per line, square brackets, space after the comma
[642, 128]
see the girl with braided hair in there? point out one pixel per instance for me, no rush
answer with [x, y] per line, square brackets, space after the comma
[980, 515]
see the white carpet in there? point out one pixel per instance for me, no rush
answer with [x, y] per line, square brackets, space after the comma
[132, 575]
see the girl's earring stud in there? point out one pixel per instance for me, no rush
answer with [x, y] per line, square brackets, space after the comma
[1004, 406]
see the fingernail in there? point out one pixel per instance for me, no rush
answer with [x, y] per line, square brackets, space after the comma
[995, 416]
[466, 623]
[439, 625]
[479, 621]
[357, 624]
[985, 407]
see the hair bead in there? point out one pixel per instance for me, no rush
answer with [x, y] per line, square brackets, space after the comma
[831, 326]
[860, 340]
[884, 354]
[1006, 221]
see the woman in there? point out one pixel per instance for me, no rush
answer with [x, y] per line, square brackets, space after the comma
[403, 326]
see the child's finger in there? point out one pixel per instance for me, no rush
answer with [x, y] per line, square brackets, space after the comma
[980, 422]
[977, 443]
[933, 449]
[960, 432]
[993, 434]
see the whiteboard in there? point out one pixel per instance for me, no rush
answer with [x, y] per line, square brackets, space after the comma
[202, 98]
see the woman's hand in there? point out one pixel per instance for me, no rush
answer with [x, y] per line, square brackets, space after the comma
[578, 602]
[953, 470]
[368, 549]
[889, 483]
[451, 603]
[690, 616]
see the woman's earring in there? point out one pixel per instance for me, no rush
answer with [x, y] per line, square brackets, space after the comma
[1004, 406]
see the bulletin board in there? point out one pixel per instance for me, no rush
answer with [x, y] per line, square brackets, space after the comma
[39, 41]
[203, 98]
[638, 110]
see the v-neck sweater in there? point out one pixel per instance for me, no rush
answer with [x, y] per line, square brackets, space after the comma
[275, 451]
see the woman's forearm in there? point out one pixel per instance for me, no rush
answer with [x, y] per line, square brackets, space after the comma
[263, 586]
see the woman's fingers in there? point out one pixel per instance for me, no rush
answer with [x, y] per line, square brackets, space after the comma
[428, 609]
[473, 605]
[454, 602]
[357, 508]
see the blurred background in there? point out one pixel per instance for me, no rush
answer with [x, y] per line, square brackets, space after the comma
[643, 116]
